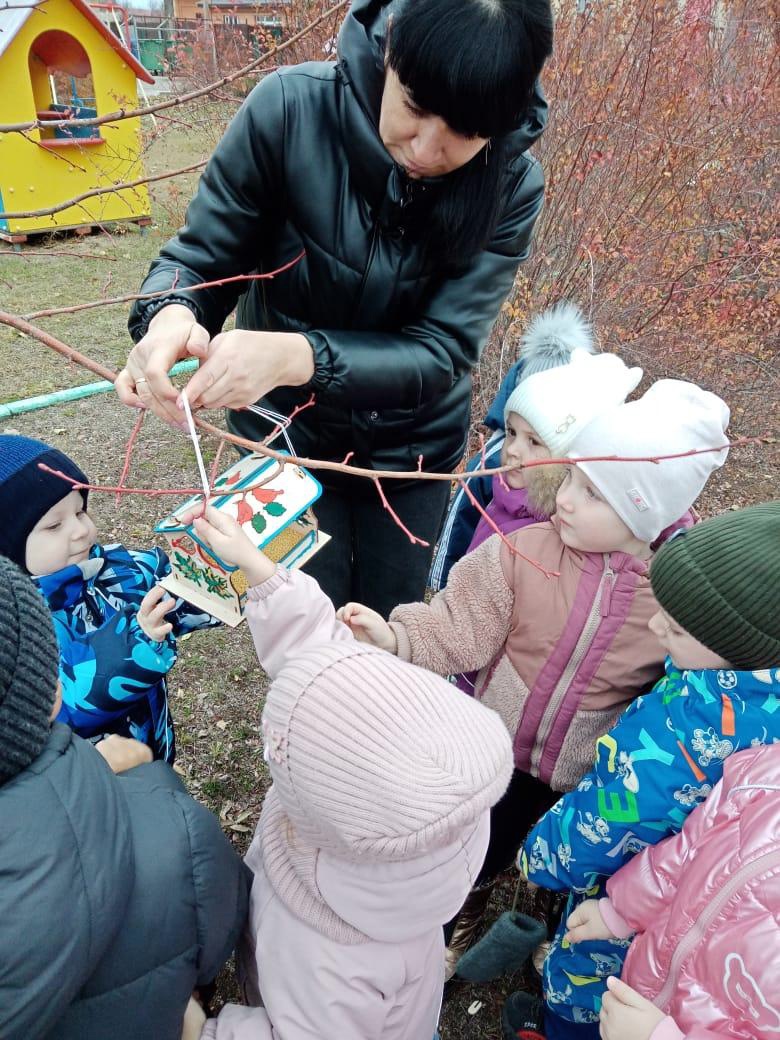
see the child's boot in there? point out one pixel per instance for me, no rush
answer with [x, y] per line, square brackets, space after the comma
[504, 948]
[468, 923]
[522, 1017]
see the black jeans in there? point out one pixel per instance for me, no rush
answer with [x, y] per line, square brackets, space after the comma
[525, 801]
[370, 559]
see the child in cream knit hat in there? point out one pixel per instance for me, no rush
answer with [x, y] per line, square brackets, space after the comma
[563, 647]
[373, 831]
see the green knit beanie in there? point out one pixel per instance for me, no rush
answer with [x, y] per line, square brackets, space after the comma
[720, 581]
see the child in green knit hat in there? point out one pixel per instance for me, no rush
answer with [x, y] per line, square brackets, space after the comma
[719, 622]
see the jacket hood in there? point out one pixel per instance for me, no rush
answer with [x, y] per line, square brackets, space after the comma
[762, 685]
[395, 902]
[361, 50]
[64, 588]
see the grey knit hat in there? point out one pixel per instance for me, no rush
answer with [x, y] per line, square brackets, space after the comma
[29, 667]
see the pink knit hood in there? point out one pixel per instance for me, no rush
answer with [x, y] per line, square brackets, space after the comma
[374, 759]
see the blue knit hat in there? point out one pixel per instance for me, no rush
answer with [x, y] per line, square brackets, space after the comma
[27, 492]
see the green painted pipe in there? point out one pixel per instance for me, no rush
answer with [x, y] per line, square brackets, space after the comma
[75, 393]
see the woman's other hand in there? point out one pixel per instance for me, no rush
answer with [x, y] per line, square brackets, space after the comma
[173, 334]
[368, 627]
[226, 538]
[242, 366]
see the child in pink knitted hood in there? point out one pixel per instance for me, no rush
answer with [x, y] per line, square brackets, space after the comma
[373, 831]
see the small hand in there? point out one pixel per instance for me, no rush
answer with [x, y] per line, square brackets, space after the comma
[151, 613]
[173, 334]
[586, 923]
[243, 366]
[194, 1021]
[226, 538]
[123, 753]
[626, 1014]
[368, 627]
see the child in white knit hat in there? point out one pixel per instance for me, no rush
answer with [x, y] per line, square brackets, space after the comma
[373, 831]
[562, 647]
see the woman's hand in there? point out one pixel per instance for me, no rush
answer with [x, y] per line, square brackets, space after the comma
[226, 538]
[151, 614]
[625, 1014]
[123, 753]
[243, 366]
[194, 1021]
[173, 334]
[587, 923]
[368, 627]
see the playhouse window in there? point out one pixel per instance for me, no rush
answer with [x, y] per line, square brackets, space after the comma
[62, 83]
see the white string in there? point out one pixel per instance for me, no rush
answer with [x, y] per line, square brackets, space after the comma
[282, 421]
[196, 444]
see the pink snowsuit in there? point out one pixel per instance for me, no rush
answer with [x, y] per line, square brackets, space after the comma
[705, 903]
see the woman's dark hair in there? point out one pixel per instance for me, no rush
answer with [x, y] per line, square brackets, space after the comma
[473, 63]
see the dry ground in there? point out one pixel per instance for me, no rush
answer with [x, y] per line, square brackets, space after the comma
[217, 686]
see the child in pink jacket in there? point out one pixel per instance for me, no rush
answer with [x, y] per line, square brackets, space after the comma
[373, 831]
[704, 905]
[560, 654]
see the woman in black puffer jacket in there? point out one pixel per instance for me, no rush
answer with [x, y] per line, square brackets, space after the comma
[118, 894]
[402, 171]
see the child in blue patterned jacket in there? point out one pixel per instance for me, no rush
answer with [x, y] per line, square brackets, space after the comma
[115, 627]
[717, 586]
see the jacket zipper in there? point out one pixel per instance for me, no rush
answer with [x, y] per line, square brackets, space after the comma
[694, 936]
[600, 608]
[367, 268]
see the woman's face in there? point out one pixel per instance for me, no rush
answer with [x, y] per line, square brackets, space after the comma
[419, 141]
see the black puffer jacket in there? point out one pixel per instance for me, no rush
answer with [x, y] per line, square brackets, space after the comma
[117, 896]
[302, 166]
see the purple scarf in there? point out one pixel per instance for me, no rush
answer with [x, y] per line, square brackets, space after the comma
[509, 510]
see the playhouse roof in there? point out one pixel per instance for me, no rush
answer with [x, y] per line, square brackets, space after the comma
[12, 19]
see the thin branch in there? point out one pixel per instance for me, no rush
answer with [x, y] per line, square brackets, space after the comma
[129, 454]
[105, 190]
[396, 518]
[165, 292]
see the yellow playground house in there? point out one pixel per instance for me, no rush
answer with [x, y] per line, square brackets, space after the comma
[58, 61]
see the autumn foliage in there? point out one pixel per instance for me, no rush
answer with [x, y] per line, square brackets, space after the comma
[660, 216]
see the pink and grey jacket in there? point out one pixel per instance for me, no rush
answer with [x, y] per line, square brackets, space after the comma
[705, 903]
[558, 657]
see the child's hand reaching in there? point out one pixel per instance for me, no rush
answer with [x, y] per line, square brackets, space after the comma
[151, 614]
[123, 753]
[368, 627]
[626, 1013]
[586, 923]
[226, 538]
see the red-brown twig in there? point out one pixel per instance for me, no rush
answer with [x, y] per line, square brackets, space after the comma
[214, 471]
[164, 292]
[340, 467]
[129, 454]
[463, 481]
[396, 518]
[296, 411]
